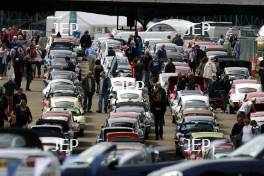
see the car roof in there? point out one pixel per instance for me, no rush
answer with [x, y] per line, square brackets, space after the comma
[122, 120]
[133, 91]
[195, 97]
[198, 118]
[185, 68]
[190, 92]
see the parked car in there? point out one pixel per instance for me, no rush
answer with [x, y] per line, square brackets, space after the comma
[218, 150]
[62, 116]
[22, 153]
[120, 66]
[127, 122]
[185, 129]
[102, 137]
[61, 74]
[236, 73]
[53, 140]
[238, 94]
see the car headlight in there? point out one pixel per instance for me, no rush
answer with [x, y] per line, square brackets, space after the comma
[173, 173]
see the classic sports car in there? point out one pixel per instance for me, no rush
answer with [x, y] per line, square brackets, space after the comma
[235, 73]
[60, 74]
[238, 94]
[71, 104]
[52, 136]
[259, 96]
[195, 102]
[175, 102]
[22, 153]
[196, 139]
[62, 116]
[217, 151]
[126, 122]
[102, 137]
[117, 159]
[185, 129]
[55, 82]
[140, 108]
[133, 96]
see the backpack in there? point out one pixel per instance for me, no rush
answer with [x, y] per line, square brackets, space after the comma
[33, 53]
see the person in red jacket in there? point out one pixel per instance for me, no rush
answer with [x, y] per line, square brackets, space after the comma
[133, 68]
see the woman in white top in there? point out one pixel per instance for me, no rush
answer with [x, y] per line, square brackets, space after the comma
[247, 131]
[3, 60]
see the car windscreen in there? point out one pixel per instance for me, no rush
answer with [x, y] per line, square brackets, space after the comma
[115, 46]
[122, 62]
[123, 124]
[138, 109]
[61, 76]
[11, 141]
[170, 48]
[247, 90]
[48, 132]
[129, 96]
[196, 127]
[237, 72]
[66, 104]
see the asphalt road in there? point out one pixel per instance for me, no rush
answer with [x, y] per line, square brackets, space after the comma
[94, 120]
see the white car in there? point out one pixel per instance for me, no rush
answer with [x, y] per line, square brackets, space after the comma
[70, 103]
[122, 83]
[56, 81]
[127, 96]
[28, 162]
[164, 77]
[239, 92]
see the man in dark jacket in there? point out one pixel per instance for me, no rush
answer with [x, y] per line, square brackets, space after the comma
[88, 85]
[170, 67]
[104, 87]
[3, 106]
[86, 40]
[236, 133]
[19, 96]
[177, 40]
[155, 67]
[158, 108]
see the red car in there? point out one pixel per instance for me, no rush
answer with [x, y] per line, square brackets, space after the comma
[259, 105]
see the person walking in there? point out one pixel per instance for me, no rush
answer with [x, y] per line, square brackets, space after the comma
[88, 85]
[104, 86]
[162, 54]
[236, 133]
[247, 107]
[10, 87]
[261, 73]
[181, 83]
[209, 71]
[18, 64]
[23, 115]
[139, 71]
[192, 59]
[155, 67]
[158, 107]
[3, 60]
[191, 82]
[170, 67]
[97, 70]
[86, 40]
[227, 86]
[3, 107]
[201, 66]
[147, 58]
[247, 131]
[29, 70]
[19, 95]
